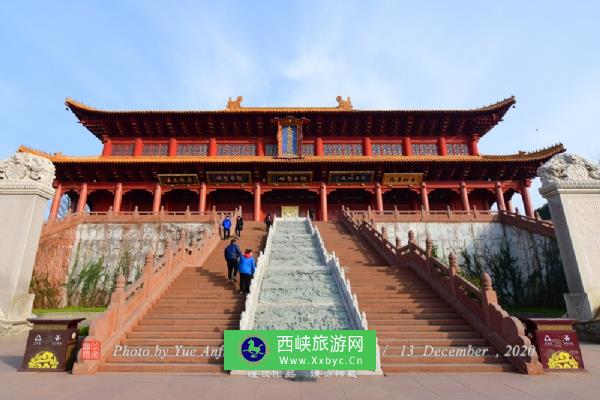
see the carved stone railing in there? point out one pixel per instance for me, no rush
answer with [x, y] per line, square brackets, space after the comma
[478, 306]
[247, 317]
[535, 225]
[128, 305]
[135, 216]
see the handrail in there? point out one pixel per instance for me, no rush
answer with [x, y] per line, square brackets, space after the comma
[535, 225]
[136, 216]
[128, 305]
[479, 306]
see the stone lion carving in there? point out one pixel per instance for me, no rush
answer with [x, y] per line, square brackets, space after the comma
[24, 167]
[568, 167]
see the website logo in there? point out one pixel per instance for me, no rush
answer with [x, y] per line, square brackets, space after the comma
[253, 349]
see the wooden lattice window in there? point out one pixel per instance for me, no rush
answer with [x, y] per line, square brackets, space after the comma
[155, 149]
[457, 149]
[425, 149]
[308, 149]
[386, 149]
[192, 149]
[236, 149]
[122, 149]
[342, 149]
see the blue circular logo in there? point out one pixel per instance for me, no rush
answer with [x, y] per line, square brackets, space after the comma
[253, 349]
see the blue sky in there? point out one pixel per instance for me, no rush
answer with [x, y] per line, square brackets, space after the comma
[390, 54]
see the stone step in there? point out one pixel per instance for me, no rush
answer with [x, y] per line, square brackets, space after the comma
[173, 359]
[415, 359]
[432, 341]
[419, 328]
[162, 367]
[175, 335]
[152, 342]
[428, 335]
[191, 316]
[224, 322]
[456, 367]
[405, 350]
[184, 328]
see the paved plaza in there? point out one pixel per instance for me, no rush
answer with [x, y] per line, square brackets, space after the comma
[512, 386]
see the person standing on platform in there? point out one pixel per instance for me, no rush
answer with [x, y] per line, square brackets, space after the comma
[268, 222]
[247, 266]
[226, 228]
[232, 257]
[239, 226]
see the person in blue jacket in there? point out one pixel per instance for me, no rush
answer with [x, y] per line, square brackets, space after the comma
[226, 227]
[232, 257]
[246, 267]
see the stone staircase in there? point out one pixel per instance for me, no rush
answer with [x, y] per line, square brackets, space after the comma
[192, 313]
[298, 289]
[406, 313]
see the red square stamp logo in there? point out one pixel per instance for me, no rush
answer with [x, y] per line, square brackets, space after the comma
[90, 350]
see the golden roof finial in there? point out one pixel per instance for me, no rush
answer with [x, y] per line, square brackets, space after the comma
[234, 105]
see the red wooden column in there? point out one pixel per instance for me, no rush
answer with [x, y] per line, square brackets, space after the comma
[118, 198]
[319, 146]
[464, 197]
[107, 149]
[367, 149]
[157, 197]
[212, 147]
[527, 204]
[473, 144]
[323, 201]
[378, 197]
[138, 147]
[202, 205]
[83, 191]
[257, 205]
[172, 147]
[424, 197]
[260, 147]
[56, 202]
[406, 146]
[441, 142]
[500, 197]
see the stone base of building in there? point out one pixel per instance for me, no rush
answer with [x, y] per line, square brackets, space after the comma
[583, 306]
[14, 321]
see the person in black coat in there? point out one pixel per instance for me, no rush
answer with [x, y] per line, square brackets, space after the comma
[239, 226]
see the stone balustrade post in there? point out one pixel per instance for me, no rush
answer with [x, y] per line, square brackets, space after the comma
[147, 273]
[398, 247]
[369, 213]
[453, 271]
[384, 233]
[117, 301]
[428, 246]
[169, 256]
[411, 238]
[396, 213]
[488, 297]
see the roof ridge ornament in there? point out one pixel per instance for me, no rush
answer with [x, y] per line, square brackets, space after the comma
[343, 104]
[234, 105]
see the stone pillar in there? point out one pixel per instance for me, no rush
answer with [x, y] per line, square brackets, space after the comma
[83, 191]
[464, 197]
[25, 187]
[118, 199]
[323, 201]
[500, 197]
[202, 206]
[527, 204]
[257, 205]
[157, 197]
[571, 185]
[378, 197]
[56, 202]
[424, 197]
